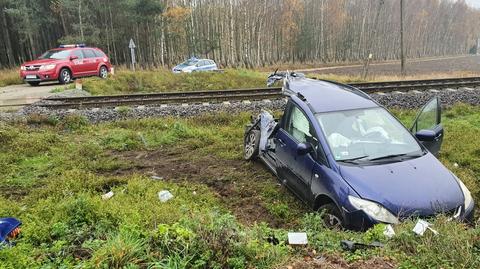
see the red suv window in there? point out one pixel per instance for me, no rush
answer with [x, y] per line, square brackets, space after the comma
[89, 53]
[99, 53]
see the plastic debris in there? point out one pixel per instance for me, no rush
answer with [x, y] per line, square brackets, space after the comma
[156, 178]
[273, 240]
[455, 165]
[389, 232]
[9, 229]
[352, 246]
[297, 239]
[422, 226]
[164, 196]
[107, 195]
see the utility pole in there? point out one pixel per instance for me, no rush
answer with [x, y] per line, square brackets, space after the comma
[402, 44]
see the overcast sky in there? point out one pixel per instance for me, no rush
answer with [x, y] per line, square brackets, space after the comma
[475, 3]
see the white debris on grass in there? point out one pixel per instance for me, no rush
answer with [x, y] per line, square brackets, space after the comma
[297, 239]
[422, 226]
[164, 196]
[107, 195]
[389, 232]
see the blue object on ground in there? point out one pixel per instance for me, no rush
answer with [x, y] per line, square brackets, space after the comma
[7, 225]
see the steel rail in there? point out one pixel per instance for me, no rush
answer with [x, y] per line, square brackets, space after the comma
[243, 94]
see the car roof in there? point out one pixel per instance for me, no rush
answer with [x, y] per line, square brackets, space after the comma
[326, 96]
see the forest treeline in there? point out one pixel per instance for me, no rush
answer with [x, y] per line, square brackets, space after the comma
[243, 33]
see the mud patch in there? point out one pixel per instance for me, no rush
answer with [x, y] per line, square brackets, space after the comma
[238, 184]
[337, 262]
[13, 192]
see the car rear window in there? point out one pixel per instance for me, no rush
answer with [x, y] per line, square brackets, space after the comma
[99, 53]
[89, 54]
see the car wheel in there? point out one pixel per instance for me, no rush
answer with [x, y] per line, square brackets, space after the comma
[251, 145]
[331, 216]
[34, 83]
[103, 72]
[65, 76]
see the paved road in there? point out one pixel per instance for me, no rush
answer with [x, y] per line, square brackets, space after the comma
[25, 94]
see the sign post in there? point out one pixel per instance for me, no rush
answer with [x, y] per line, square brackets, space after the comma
[132, 51]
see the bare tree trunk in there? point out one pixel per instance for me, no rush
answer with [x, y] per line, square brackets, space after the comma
[80, 19]
[7, 41]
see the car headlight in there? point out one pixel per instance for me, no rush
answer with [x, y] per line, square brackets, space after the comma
[47, 67]
[23, 68]
[373, 209]
[466, 193]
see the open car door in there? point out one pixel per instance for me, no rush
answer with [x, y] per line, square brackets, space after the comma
[427, 126]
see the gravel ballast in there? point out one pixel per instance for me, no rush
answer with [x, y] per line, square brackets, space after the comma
[408, 100]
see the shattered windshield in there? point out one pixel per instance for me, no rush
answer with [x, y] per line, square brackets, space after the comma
[366, 134]
[56, 54]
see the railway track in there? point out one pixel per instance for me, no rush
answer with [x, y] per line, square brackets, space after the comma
[241, 94]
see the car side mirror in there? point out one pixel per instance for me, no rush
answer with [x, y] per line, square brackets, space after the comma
[304, 148]
[73, 58]
[426, 135]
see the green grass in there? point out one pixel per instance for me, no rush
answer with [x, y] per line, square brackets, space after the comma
[53, 173]
[162, 80]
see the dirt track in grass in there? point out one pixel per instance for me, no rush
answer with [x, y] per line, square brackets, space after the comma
[244, 188]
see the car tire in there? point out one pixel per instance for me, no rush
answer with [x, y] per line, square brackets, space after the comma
[34, 83]
[331, 216]
[103, 73]
[251, 145]
[65, 76]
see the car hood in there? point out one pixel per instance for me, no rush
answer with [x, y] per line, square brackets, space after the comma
[420, 186]
[42, 61]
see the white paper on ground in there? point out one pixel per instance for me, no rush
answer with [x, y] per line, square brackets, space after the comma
[389, 232]
[164, 196]
[421, 227]
[107, 195]
[297, 239]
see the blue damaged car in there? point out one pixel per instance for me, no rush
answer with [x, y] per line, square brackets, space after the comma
[344, 154]
[195, 65]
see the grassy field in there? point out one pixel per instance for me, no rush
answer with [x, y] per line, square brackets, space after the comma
[53, 174]
[9, 77]
[162, 80]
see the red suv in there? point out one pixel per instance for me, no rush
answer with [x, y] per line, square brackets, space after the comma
[66, 63]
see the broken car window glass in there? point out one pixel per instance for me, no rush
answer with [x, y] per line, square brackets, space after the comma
[365, 132]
